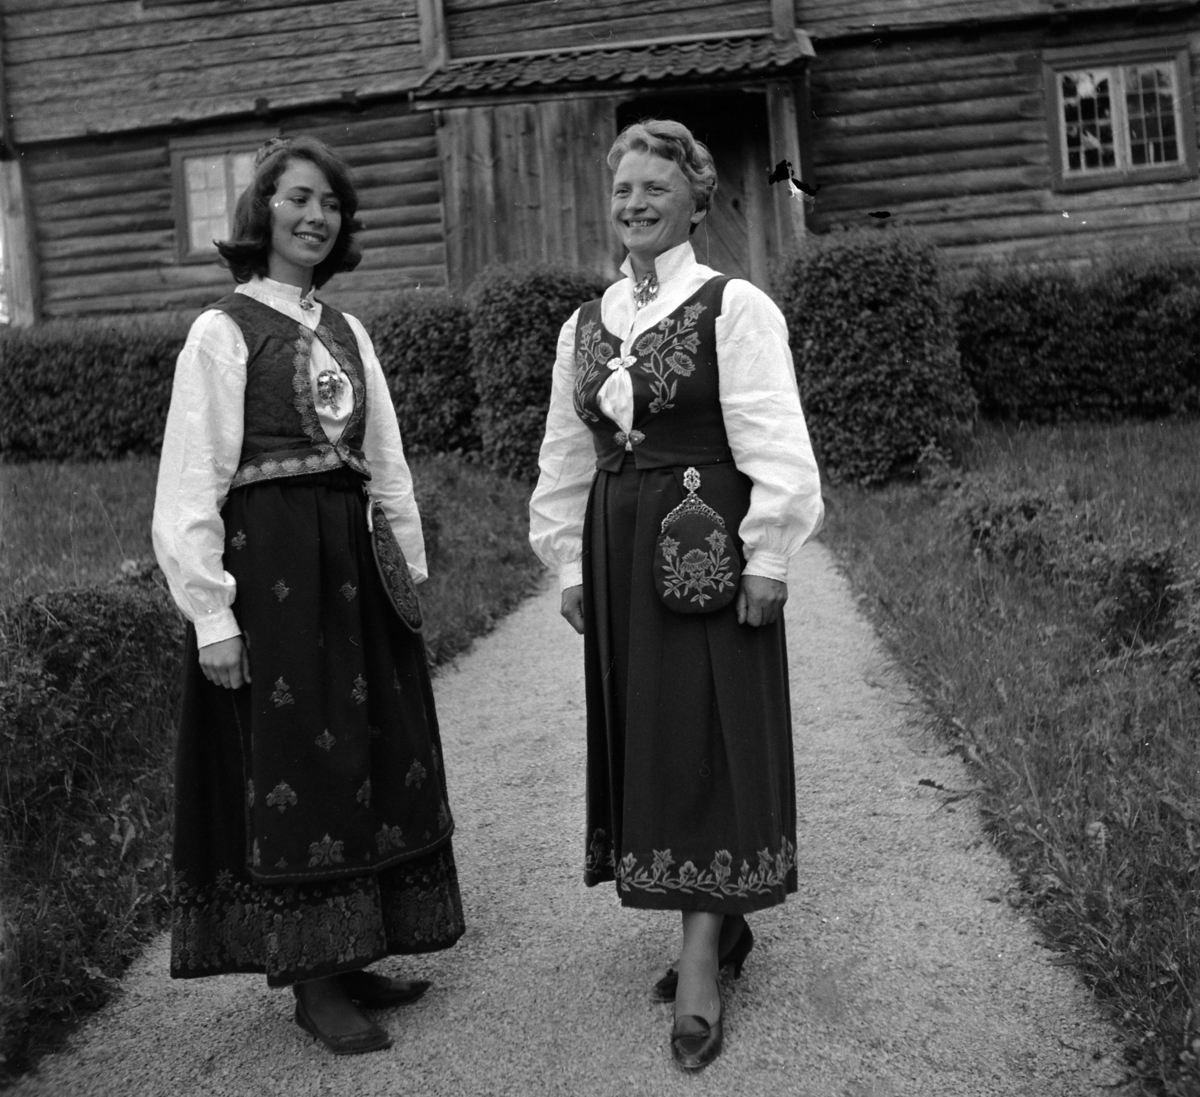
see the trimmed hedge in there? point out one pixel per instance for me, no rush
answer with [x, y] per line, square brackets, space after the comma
[871, 324]
[1051, 345]
[422, 338]
[516, 314]
[89, 684]
[86, 390]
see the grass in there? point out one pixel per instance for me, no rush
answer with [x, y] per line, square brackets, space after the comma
[88, 693]
[1082, 736]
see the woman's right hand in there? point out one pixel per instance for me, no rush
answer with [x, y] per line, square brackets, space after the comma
[572, 607]
[226, 663]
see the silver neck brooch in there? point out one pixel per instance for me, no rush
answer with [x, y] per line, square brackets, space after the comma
[645, 290]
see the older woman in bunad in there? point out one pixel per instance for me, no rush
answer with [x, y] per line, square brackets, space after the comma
[312, 831]
[678, 379]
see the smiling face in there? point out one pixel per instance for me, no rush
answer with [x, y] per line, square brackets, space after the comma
[652, 207]
[306, 217]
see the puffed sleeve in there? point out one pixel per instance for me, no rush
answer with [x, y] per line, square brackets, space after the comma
[391, 481]
[567, 465]
[767, 433]
[202, 445]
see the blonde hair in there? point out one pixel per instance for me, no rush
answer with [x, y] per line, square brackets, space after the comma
[672, 141]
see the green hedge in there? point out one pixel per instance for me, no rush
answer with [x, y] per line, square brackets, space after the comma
[87, 389]
[1051, 345]
[422, 338]
[89, 684]
[871, 323]
[516, 314]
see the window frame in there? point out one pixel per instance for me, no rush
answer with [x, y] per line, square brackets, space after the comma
[1173, 51]
[183, 147]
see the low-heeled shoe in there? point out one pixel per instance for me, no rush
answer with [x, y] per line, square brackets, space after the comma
[372, 1039]
[373, 991]
[664, 989]
[695, 1050]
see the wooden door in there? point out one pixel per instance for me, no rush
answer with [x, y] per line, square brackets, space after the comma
[526, 182]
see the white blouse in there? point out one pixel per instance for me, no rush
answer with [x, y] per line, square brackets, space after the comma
[759, 402]
[203, 444]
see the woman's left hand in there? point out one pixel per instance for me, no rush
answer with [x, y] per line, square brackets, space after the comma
[759, 600]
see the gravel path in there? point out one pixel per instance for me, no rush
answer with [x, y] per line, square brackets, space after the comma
[895, 972]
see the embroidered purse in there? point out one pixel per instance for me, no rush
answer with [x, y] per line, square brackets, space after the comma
[393, 567]
[696, 569]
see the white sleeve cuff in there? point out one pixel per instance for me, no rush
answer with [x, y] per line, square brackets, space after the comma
[570, 575]
[769, 565]
[214, 627]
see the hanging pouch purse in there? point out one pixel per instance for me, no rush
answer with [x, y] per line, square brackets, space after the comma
[393, 567]
[696, 569]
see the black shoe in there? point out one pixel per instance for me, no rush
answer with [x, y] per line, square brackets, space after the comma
[664, 989]
[355, 1043]
[695, 1043]
[373, 991]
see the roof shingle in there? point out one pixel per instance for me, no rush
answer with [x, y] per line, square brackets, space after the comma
[578, 70]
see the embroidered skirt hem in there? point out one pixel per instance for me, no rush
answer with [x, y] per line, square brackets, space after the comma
[295, 932]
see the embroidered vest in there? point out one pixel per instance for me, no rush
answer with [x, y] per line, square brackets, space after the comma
[676, 394]
[282, 434]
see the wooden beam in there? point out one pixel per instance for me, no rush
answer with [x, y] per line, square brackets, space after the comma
[435, 51]
[783, 20]
[784, 130]
[21, 286]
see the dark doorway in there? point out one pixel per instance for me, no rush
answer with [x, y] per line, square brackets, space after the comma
[734, 237]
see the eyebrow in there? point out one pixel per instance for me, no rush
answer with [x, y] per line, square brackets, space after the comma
[331, 193]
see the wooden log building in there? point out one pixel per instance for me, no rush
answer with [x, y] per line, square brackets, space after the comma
[1035, 129]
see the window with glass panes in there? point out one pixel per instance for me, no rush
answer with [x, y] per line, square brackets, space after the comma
[209, 173]
[212, 183]
[1121, 121]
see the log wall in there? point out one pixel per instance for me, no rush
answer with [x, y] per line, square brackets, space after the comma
[949, 136]
[75, 69]
[828, 19]
[480, 27]
[105, 231]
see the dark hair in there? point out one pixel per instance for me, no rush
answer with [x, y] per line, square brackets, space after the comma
[246, 252]
[672, 141]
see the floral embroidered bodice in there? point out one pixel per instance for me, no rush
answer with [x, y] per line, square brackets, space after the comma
[675, 385]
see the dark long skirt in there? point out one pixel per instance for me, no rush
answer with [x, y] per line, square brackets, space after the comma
[312, 827]
[690, 783]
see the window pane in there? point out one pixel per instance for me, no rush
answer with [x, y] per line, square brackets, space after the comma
[212, 183]
[202, 173]
[243, 170]
[1153, 129]
[203, 232]
[1087, 132]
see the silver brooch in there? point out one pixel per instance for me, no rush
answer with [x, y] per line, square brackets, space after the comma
[645, 290]
[329, 389]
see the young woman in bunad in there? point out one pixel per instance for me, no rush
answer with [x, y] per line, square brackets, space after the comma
[691, 800]
[312, 829]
